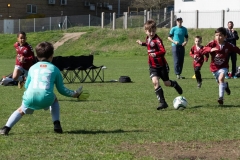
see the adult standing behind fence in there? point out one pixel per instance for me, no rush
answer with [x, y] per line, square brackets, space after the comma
[232, 36]
[176, 36]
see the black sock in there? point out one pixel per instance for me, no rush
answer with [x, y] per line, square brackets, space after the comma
[160, 95]
[172, 83]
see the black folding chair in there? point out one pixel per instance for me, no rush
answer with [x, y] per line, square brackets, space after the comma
[83, 63]
[62, 64]
[97, 69]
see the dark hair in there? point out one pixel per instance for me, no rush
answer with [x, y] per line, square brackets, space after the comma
[221, 30]
[199, 37]
[179, 19]
[44, 50]
[21, 32]
[150, 24]
[230, 22]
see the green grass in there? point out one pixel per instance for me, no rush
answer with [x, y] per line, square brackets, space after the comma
[117, 114]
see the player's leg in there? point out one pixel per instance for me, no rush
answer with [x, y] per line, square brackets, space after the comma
[19, 75]
[164, 75]
[220, 76]
[198, 76]
[17, 72]
[55, 113]
[154, 75]
[225, 86]
[13, 80]
[22, 78]
[14, 118]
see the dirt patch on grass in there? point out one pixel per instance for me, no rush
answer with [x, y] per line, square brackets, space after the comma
[66, 37]
[187, 150]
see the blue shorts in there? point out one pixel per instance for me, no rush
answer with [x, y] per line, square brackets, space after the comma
[218, 72]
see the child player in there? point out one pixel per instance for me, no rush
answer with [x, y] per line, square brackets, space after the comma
[39, 89]
[158, 65]
[198, 59]
[24, 60]
[219, 50]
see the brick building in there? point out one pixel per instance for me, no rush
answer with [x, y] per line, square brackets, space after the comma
[12, 9]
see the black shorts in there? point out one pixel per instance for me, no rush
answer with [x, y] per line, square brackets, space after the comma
[161, 72]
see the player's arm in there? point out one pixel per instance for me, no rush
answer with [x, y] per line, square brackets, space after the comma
[141, 43]
[161, 49]
[30, 57]
[191, 53]
[61, 88]
[205, 51]
[235, 49]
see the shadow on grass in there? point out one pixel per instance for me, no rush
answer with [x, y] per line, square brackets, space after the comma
[194, 107]
[229, 106]
[114, 82]
[101, 131]
[74, 100]
[222, 106]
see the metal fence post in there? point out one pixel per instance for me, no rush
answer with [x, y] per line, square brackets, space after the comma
[102, 20]
[34, 25]
[171, 19]
[89, 20]
[110, 18]
[66, 18]
[125, 20]
[19, 25]
[165, 14]
[196, 19]
[145, 16]
[223, 17]
[50, 23]
[148, 15]
[114, 21]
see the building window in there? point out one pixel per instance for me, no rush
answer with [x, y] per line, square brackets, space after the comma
[63, 2]
[31, 8]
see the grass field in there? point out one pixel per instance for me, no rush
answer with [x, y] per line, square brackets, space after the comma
[120, 121]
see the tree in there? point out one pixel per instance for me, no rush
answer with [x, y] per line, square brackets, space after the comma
[151, 4]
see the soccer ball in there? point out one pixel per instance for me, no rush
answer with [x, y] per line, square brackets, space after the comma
[180, 102]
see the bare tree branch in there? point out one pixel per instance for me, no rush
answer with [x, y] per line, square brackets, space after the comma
[151, 4]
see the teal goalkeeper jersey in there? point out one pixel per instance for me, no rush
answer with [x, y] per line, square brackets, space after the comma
[40, 85]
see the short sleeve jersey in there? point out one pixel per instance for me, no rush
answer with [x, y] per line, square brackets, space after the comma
[178, 34]
[27, 52]
[219, 58]
[40, 85]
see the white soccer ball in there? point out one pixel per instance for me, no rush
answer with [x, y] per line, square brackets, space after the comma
[180, 102]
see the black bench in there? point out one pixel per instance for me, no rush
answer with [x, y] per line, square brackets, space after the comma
[79, 68]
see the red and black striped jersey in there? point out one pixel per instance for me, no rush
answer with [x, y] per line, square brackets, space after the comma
[155, 45]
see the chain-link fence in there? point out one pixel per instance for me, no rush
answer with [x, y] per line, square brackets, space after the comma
[134, 19]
